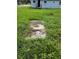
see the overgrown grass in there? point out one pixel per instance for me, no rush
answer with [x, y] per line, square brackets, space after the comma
[48, 48]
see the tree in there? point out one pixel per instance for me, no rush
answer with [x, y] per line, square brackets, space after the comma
[23, 1]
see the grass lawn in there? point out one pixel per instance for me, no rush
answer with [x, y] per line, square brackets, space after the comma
[49, 48]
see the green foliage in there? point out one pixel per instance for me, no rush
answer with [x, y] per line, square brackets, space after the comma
[48, 48]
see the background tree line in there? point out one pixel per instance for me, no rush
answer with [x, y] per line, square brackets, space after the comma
[23, 2]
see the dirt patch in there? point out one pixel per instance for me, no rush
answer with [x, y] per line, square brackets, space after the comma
[50, 14]
[33, 19]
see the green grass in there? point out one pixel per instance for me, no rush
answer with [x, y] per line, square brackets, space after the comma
[49, 48]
